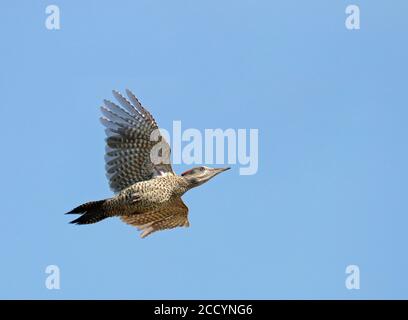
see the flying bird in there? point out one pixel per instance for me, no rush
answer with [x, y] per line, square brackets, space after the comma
[147, 191]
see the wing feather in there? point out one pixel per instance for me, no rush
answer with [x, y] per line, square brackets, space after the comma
[129, 127]
[173, 214]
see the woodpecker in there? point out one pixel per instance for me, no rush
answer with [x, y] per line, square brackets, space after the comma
[147, 191]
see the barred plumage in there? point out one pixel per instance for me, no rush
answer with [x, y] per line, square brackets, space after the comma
[148, 193]
[128, 143]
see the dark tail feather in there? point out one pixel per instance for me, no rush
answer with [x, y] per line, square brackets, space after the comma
[92, 212]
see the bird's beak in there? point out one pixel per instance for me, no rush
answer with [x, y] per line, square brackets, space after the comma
[219, 170]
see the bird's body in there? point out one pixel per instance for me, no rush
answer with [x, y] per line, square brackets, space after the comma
[148, 191]
[148, 195]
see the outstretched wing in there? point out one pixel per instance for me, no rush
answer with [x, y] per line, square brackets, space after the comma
[132, 133]
[172, 215]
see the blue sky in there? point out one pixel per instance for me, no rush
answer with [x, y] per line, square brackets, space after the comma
[331, 108]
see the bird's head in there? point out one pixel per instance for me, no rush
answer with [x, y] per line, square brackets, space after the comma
[200, 175]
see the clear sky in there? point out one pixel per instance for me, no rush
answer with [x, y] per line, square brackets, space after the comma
[331, 106]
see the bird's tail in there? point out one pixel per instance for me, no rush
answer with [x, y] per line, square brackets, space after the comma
[92, 212]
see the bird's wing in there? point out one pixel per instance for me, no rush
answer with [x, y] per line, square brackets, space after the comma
[130, 156]
[172, 215]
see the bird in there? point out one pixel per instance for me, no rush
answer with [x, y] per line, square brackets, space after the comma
[137, 163]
